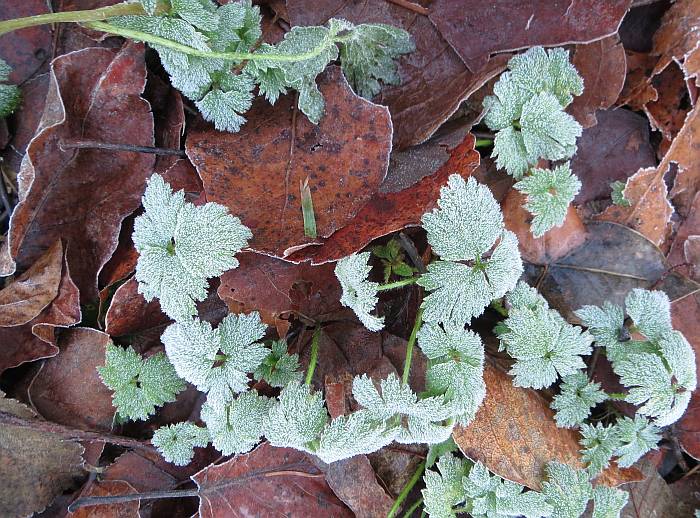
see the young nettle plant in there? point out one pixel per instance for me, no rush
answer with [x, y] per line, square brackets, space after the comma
[527, 114]
[216, 56]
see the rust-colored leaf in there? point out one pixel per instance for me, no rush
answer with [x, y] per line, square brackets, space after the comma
[514, 435]
[388, 212]
[130, 313]
[256, 172]
[434, 81]
[678, 36]
[32, 291]
[476, 30]
[82, 196]
[685, 153]
[353, 481]
[37, 338]
[554, 244]
[68, 390]
[653, 497]
[603, 66]
[278, 289]
[267, 480]
[35, 465]
[116, 510]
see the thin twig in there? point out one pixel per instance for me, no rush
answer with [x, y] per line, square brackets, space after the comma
[410, 6]
[88, 501]
[93, 144]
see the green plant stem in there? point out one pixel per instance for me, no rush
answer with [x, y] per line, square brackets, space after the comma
[409, 512]
[314, 354]
[617, 396]
[406, 490]
[229, 56]
[397, 284]
[409, 346]
[92, 15]
[483, 142]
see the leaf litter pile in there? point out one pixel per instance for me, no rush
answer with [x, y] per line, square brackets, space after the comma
[377, 258]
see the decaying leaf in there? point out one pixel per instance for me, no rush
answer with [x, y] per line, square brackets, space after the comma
[108, 488]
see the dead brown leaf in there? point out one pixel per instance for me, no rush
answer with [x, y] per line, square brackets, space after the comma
[515, 436]
[678, 36]
[99, 488]
[83, 196]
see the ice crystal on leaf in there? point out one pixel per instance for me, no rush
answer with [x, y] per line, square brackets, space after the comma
[455, 367]
[525, 297]
[608, 502]
[599, 443]
[238, 426]
[444, 490]
[466, 225]
[617, 194]
[635, 438]
[180, 246]
[605, 324]
[567, 490]
[176, 442]
[549, 193]
[224, 105]
[10, 95]
[297, 419]
[650, 311]
[359, 294]
[139, 385]
[543, 345]
[577, 396]
[217, 361]
[279, 368]
[355, 434]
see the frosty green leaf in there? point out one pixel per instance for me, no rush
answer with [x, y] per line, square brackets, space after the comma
[356, 434]
[297, 418]
[200, 13]
[238, 426]
[650, 311]
[636, 437]
[599, 442]
[238, 29]
[176, 442]
[617, 194]
[567, 490]
[608, 502]
[180, 246]
[549, 193]
[443, 489]
[139, 385]
[223, 107]
[217, 361]
[544, 346]
[10, 95]
[359, 294]
[465, 226]
[526, 297]
[279, 368]
[605, 323]
[577, 396]
[455, 367]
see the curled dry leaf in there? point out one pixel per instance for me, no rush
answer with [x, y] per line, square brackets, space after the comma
[477, 30]
[388, 212]
[35, 465]
[267, 480]
[82, 196]
[685, 153]
[603, 66]
[31, 292]
[255, 172]
[678, 36]
[71, 375]
[434, 81]
[523, 436]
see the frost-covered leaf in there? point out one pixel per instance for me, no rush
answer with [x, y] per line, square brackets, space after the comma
[311, 101]
[526, 297]
[617, 194]
[139, 385]
[577, 396]
[599, 442]
[491, 496]
[608, 502]
[239, 27]
[636, 437]
[367, 56]
[269, 77]
[356, 434]
[279, 368]
[149, 6]
[181, 246]
[444, 490]
[567, 490]
[10, 95]
[359, 294]
[297, 419]
[605, 323]
[176, 442]
[455, 367]
[650, 311]
[544, 346]
[316, 44]
[238, 426]
[200, 13]
[217, 361]
[549, 193]
[224, 106]
[539, 70]
[424, 431]
[167, 27]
